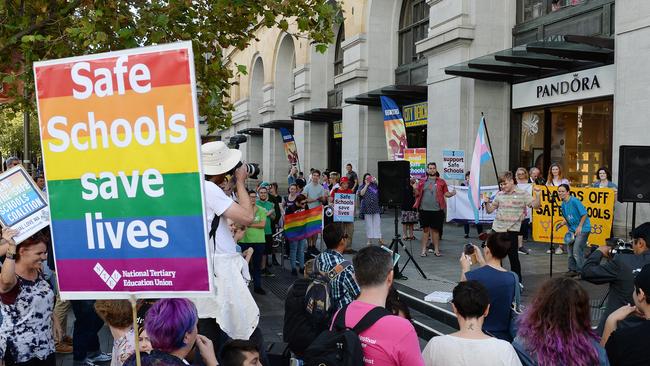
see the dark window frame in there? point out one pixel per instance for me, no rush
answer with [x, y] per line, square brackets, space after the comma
[338, 51]
[411, 22]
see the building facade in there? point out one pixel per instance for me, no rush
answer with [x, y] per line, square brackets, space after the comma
[557, 81]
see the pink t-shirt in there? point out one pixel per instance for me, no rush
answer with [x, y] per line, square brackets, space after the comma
[390, 341]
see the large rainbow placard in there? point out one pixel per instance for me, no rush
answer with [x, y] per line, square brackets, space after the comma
[120, 144]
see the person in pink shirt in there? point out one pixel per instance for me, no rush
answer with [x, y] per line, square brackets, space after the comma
[392, 339]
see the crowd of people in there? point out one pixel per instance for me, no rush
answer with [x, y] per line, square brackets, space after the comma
[339, 308]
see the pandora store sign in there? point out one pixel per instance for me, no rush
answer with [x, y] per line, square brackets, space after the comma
[584, 84]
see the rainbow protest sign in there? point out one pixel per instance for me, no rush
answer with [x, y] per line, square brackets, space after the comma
[303, 224]
[21, 205]
[120, 144]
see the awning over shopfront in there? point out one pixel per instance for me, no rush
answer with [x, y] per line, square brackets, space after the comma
[401, 94]
[539, 60]
[277, 124]
[251, 131]
[320, 115]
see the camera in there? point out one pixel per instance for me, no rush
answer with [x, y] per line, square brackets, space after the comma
[329, 211]
[469, 249]
[253, 169]
[234, 141]
[616, 246]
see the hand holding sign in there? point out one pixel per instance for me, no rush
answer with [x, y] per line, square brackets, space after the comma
[8, 236]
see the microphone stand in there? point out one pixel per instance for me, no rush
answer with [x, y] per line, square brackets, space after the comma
[551, 200]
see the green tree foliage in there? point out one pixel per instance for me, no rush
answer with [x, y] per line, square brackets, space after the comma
[11, 135]
[34, 30]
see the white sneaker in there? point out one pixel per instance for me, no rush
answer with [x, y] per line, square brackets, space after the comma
[430, 250]
[559, 251]
[548, 251]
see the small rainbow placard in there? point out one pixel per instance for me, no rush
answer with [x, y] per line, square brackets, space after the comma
[120, 142]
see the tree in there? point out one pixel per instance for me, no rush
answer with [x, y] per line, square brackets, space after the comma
[33, 30]
[11, 135]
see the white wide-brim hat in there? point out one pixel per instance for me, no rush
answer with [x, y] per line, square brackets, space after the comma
[217, 158]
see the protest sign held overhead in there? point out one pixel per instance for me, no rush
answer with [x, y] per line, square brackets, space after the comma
[599, 203]
[121, 155]
[21, 205]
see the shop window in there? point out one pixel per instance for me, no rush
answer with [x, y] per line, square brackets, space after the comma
[577, 136]
[531, 9]
[532, 139]
[413, 27]
[581, 139]
[338, 52]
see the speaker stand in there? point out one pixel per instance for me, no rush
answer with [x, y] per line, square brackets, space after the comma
[633, 215]
[394, 246]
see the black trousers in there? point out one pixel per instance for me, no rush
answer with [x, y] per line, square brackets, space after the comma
[49, 361]
[513, 254]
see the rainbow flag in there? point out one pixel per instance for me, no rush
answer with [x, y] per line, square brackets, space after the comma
[303, 224]
[481, 155]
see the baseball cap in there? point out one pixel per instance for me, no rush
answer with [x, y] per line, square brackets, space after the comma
[344, 180]
[642, 279]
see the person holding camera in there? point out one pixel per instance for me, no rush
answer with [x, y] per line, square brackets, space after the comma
[618, 271]
[499, 282]
[215, 312]
[628, 346]
[575, 218]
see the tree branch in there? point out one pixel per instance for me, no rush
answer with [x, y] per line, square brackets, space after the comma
[34, 27]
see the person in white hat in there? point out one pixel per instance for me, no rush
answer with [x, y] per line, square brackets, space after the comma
[218, 160]
[219, 313]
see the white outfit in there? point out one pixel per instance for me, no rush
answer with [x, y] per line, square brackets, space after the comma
[231, 304]
[373, 226]
[216, 202]
[450, 350]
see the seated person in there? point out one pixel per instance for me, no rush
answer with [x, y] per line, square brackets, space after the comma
[239, 352]
[171, 327]
[469, 346]
[500, 283]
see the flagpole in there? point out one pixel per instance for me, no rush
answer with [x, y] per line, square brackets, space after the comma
[494, 164]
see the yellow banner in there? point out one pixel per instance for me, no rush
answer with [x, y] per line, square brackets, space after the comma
[415, 114]
[599, 203]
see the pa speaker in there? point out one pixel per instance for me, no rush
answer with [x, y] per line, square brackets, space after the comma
[393, 177]
[634, 173]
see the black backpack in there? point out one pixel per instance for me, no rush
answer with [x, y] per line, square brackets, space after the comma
[318, 297]
[340, 346]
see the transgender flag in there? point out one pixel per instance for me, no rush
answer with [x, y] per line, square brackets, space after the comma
[481, 155]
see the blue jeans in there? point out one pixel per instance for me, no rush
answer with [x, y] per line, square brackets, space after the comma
[577, 252]
[297, 247]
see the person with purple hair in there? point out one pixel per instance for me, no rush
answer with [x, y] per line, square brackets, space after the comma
[555, 330]
[171, 325]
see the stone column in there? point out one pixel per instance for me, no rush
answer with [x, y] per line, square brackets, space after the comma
[458, 32]
[631, 99]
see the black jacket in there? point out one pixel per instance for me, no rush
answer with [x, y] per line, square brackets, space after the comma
[299, 330]
[619, 273]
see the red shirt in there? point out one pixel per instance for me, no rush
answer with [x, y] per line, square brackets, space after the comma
[441, 189]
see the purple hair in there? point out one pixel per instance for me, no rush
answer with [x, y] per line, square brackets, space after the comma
[556, 328]
[167, 322]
